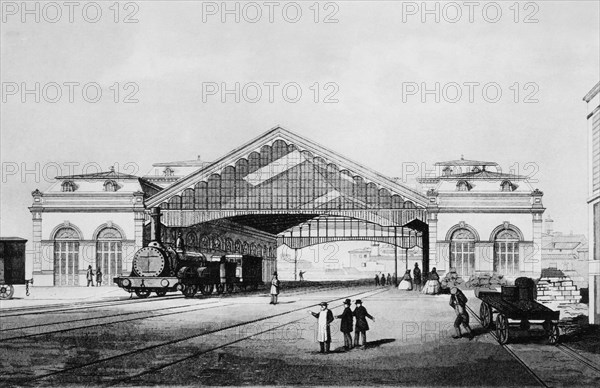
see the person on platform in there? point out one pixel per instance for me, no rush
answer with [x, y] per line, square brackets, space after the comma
[458, 301]
[417, 277]
[274, 288]
[324, 317]
[98, 278]
[432, 287]
[383, 280]
[376, 279]
[389, 279]
[301, 275]
[347, 324]
[362, 326]
[90, 276]
[406, 284]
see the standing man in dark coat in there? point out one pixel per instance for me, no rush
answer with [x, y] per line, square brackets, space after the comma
[383, 280]
[376, 279]
[362, 326]
[417, 277]
[90, 276]
[458, 302]
[324, 318]
[347, 323]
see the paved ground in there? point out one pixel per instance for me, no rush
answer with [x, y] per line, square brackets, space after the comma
[409, 344]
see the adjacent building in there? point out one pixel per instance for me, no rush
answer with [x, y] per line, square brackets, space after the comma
[592, 98]
[567, 253]
[483, 220]
[87, 220]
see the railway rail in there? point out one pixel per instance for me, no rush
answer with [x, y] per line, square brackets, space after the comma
[564, 349]
[86, 368]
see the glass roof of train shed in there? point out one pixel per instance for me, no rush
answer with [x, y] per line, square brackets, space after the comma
[286, 185]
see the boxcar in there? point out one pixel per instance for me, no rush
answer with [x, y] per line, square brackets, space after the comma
[12, 265]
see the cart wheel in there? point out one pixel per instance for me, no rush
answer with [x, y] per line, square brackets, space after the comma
[161, 293]
[190, 291]
[220, 288]
[553, 332]
[206, 289]
[6, 291]
[485, 312]
[502, 329]
[142, 293]
[230, 288]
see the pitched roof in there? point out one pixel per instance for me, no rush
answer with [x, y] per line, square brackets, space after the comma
[301, 142]
[486, 175]
[466, 162]
[112, 174]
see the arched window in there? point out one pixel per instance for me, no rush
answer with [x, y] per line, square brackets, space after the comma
[66, 257]
[462, 252]
[110, 186]
[109, 254]
[506, 252]
[68, 186]
[463, 186]
[507, 186]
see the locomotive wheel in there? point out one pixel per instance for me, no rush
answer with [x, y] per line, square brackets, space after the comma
[190, 291]
[161, 293]
[553, 332]
[6, 291]
[502, 329]
[142, 293]
[485, 312]
[206, 289]
[230, 288]
[220, 288]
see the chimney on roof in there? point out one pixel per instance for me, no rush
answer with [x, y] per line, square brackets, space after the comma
[112, 168]
[549, 224]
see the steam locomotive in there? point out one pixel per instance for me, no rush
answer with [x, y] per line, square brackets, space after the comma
[162, 268]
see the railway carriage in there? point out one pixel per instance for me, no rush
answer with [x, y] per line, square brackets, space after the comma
[12, 265]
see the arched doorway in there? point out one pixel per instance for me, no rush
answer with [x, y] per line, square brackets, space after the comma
[109, 254]
[66, 257]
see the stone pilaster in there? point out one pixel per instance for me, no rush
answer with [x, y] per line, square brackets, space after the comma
[36, 242]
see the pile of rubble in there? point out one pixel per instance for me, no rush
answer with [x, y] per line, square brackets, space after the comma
[555, 286]
[486, 281]
[452, 279]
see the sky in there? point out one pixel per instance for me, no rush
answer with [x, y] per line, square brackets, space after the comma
[149, 84]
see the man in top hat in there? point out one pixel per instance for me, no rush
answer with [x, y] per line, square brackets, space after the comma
[362, 326]
[458, 302]
[346, 325]
[274, 288]
[324, 317]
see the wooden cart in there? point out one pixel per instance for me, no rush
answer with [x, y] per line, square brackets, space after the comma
[517, 304]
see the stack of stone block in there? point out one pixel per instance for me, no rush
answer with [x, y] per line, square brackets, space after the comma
[555, 286]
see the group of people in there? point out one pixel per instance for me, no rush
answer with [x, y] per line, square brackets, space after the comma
[380, 279]
[431, 285]
[325, 318]
[90, 277]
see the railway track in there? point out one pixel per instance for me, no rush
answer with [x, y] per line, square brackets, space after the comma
[72, 373]
[572, 354]
[35, 329]
[86, 305]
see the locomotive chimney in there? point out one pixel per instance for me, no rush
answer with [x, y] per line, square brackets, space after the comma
[155, 224]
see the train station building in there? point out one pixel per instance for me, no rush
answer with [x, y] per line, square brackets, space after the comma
[592, 98]
[281, 188]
